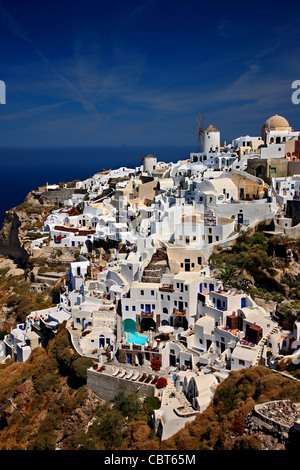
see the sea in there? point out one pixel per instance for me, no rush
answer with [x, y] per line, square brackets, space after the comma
[25, 169]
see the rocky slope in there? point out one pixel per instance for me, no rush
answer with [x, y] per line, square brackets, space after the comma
[14, 240]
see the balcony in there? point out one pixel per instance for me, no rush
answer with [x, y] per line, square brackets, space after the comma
[166, 288]
[179, 313]
[147, 314]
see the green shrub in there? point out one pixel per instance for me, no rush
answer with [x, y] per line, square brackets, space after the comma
[43, 383]
[79, 367]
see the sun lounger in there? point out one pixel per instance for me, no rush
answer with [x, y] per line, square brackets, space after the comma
[129, 375]
[123, 372]
[148, 379]
[143, 378]
[136, 375]
[155, 380]
[116, 372]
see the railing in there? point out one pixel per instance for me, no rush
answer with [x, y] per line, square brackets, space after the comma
[147, 314]
[179, 313]
[166, 288]
[138, 347]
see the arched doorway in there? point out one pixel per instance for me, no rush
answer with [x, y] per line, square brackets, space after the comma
[147, 324]
[260, 171]
[89, 245]
[101, 341]
[180, 322]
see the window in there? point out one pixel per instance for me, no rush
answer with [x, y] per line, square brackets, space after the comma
[142, 292]
[186, 288]
[162, 297]
[133, 308]
[142, 306]
[152, 292]
[241, 362]
[153, 307]
[272, 170]
[126, 308]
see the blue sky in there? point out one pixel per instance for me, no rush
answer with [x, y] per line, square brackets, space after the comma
[98, 73]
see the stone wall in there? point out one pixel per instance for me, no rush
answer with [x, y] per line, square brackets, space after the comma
[107, 387]
[276, 418]
[56, 196]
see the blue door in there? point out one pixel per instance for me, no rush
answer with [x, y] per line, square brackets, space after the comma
[243, 302]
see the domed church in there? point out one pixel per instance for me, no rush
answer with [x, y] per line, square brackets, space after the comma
[275, 123]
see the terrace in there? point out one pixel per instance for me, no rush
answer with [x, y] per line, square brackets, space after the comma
[139, 374]
[147, 314]
[179, 313]
[166, 288]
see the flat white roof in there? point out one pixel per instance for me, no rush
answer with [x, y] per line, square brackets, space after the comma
[244, 353]
[60, 316]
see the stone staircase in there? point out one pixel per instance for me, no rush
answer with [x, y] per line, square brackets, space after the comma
[158, 265]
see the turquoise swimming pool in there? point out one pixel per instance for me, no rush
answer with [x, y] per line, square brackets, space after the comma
[129, 326]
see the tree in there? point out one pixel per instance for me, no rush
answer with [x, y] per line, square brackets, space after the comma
[244, 284]
[227, 272]
[80, 366]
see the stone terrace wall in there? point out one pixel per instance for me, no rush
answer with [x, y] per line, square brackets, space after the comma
[276, 417]
[107, 387]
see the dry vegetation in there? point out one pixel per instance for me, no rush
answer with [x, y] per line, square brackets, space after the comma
[45, 404]
[221, 425]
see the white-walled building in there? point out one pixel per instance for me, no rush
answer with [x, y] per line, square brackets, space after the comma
[286, 188]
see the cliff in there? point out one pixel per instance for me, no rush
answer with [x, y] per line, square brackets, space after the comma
[14, 239]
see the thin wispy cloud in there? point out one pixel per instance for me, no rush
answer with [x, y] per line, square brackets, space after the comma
[9, 21]
[111, 72]
[31, 112]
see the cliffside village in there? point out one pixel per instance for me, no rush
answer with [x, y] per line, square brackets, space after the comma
[142, 300]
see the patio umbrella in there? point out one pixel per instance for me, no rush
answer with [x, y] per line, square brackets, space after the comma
[167, 329]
